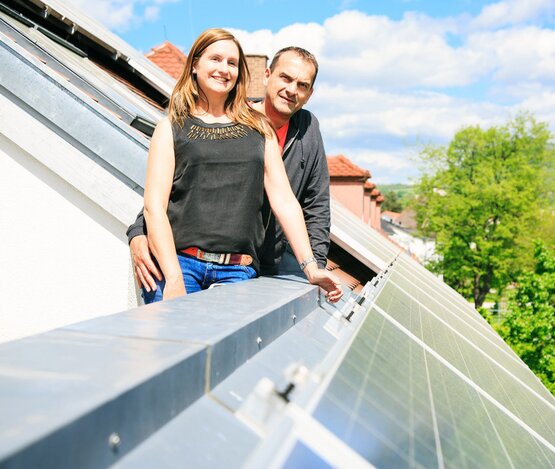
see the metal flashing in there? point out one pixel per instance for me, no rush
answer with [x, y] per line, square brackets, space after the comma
[68, 112]
[102, 385]
[360, 240]
[123, 376]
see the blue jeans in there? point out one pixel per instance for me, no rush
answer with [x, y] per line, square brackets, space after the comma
[200, 275]
[289, 265]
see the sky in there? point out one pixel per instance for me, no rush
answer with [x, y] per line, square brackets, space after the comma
[394, 75]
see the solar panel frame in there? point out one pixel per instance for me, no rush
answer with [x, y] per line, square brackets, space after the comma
[452, 410]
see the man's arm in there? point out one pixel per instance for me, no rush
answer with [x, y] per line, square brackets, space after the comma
[145, 267]
[289, 214]
[316, 200]
[137, 228]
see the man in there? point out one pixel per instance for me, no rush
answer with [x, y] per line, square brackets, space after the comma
[289, 85]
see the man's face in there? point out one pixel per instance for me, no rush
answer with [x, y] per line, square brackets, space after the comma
[289, 86]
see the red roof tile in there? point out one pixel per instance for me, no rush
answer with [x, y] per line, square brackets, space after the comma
[341, 166]
[369, 186]
[390, 214]
[169, 58]
[346, 279]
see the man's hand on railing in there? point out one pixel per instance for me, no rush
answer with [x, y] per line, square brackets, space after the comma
[145, 267]
[327, 281]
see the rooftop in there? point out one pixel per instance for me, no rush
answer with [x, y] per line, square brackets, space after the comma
[263, 373]
[388, 214]
[342, 167]
[168, 57]
[369, 186]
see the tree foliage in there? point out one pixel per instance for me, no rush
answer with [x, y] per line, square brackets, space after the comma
[483, 197]
[397, 196]
[392, 202]
[529, 327]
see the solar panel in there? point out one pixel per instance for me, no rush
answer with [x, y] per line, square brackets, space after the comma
[397, 404]
[465, 325]
[83, 73]
[410, 376]
[363, 243]
[426, 383]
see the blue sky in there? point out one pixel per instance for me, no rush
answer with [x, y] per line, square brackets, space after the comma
[181, 22]
[394, 74]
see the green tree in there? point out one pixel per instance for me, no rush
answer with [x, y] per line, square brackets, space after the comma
[392, 202]
[483, 197]
[529, 327]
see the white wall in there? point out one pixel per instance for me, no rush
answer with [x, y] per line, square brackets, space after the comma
[64, 259]
[64, 256]
[423, 249]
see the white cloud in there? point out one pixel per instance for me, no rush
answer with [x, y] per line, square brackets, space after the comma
[384, 68]
[542, 105]
[385, 166]
[518, 54]
[311, 36]
[152, 13]
[121, 15]
[384, 84]
[512, 12]
[356, 112]
[114, 14]
[399, 160]
[410, 52]
[353, 47]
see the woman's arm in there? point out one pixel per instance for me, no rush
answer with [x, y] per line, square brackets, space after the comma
[159, 177]
[290, 216]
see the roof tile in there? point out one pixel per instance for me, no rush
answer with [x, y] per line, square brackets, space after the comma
[341, 166]
[169, 58]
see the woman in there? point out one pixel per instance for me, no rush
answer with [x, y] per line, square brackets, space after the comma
[209, 163]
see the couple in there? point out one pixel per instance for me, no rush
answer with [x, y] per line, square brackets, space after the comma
[210, 162]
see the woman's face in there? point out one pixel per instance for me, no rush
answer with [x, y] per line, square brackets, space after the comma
[217, 68]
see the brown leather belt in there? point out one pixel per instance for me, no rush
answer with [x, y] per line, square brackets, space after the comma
[225, 259]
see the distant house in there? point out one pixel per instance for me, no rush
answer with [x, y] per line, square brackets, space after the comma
[405, 219]
[400, 228]
[390, 216]
[169, 58]
[349, 186]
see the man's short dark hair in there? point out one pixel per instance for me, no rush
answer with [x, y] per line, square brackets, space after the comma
[302, 53]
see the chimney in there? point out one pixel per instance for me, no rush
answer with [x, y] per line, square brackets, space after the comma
[368, 188]
[374, 194]
[256, 65]
[377, 225]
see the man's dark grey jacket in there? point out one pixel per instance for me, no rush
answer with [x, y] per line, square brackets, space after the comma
[305, 162]
[307, 169]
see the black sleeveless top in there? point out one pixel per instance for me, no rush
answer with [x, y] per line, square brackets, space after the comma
[218, 188]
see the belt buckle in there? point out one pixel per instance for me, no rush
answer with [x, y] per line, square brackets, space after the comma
[211, 257]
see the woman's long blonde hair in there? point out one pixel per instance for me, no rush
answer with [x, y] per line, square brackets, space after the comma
[187, 94]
